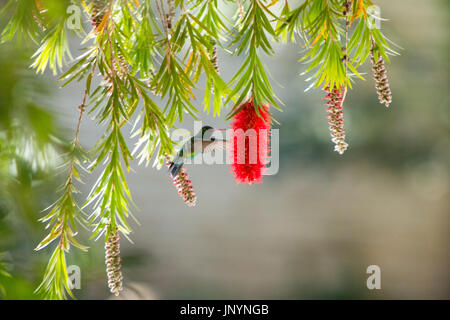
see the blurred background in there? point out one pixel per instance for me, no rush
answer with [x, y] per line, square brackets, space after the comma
[310, 231]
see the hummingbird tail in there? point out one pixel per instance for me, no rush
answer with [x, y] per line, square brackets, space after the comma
[175, 168]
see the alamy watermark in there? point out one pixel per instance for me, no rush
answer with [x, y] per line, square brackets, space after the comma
[374, 280]
[73, 21]
[374, 17]
[74, 275]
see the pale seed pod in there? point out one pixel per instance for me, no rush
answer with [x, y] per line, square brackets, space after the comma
[380, 77]
[335, 115]
[113, 263]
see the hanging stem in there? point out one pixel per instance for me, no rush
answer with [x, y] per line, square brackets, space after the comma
[345, 58]
[164, 19]
[241, 11]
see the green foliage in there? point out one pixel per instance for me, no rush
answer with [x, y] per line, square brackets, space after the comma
[361, 40]
[146, 50]
[3, 272]
[53, 51]
[252, 76]
[55, 285]
[22, 22]
[62, 218]
[29, 145]
[330, 50]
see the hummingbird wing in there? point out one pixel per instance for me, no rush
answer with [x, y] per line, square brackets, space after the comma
[177, 164]
[214, 145]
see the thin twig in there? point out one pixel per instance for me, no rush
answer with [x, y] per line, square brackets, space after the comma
[82, 108]
[241, 11]
[164, 20]
[347, 5]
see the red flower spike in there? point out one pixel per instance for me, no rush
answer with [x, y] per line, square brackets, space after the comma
[250, 143]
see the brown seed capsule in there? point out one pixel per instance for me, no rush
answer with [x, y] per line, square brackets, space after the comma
[347, 7]
[380, 77]
[98, 8]
[170, 15]
[335, 109]
[214, 59]
[123, 65]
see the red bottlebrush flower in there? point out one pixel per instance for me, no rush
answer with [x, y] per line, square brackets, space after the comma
[335, 109]
[250, 143]
[184, 186]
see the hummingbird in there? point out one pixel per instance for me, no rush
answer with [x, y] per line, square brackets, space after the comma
[202, 142]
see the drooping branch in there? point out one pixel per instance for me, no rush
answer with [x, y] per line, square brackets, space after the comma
[63, 215]
[252, 77]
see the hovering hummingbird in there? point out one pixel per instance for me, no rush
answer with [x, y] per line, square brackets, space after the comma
[202, 142]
